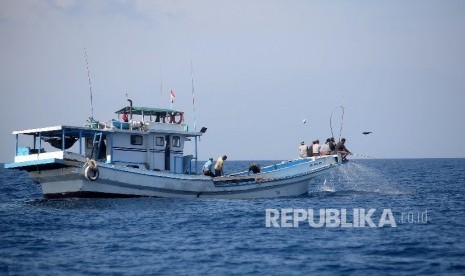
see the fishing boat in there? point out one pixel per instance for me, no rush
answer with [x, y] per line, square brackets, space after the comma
[145, 156]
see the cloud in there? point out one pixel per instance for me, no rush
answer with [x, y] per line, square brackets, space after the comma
[65, 4]
[20, 11]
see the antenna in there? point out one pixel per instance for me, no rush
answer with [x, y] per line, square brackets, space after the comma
[193, 96]
[161, 87]
[90, 85]
[130, 106]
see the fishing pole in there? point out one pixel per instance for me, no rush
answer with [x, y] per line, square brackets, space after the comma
[193, 96]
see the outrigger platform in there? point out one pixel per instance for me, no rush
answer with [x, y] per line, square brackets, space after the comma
[145, 157]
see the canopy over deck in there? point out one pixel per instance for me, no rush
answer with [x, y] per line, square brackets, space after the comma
[148, 111]
[57, 131]
[75, 131]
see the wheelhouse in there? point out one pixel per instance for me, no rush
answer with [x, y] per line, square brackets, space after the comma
[154, 141]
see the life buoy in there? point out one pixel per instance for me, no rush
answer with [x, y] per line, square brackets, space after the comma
[171, 118]
[179, 121]
[168, 118]
[91, 172]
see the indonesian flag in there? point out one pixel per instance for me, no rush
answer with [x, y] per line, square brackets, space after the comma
[172, 96]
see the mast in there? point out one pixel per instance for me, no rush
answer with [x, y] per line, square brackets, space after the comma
[161, 87]
[193, 96]
[90, 86]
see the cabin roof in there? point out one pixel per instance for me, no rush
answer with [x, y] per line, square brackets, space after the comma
[56, 131]
[147, 111]
[74, 131]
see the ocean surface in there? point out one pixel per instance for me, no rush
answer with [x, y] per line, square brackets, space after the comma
[422, 202]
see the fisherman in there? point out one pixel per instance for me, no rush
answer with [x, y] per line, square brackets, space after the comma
[207, 168]
[332, 145]
[316, 148]
[303, 150]
[125, 116]
[219, 165]
[340, 147]
[325, 150]
[254, 168]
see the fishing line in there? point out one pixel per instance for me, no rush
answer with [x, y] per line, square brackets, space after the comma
[342, 121]
[362, 155]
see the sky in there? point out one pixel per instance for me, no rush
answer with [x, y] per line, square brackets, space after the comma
[259, 69]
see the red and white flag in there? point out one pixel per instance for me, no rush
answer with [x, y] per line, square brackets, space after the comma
[172, 95]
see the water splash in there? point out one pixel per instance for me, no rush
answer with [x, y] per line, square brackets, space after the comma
[355, 177]
[327, 187]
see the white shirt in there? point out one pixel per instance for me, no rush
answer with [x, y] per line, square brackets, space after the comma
[303, 151]
[325, 149]
[316, 148]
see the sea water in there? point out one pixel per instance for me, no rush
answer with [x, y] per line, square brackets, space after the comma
[156, 236]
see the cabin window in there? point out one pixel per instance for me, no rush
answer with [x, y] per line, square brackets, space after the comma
[136, 140]
[176, 141]
[160, 141]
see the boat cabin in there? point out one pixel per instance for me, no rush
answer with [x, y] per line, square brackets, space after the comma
[146, 138]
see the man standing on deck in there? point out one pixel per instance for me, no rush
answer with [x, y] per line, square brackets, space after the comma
[219, 165]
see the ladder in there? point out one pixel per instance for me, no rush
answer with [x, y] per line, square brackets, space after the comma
[96, 143]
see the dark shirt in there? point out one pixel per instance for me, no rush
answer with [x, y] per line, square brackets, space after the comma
[341, 147]
[332, 145]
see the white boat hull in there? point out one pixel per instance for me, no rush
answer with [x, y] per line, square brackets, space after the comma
[118, 181]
